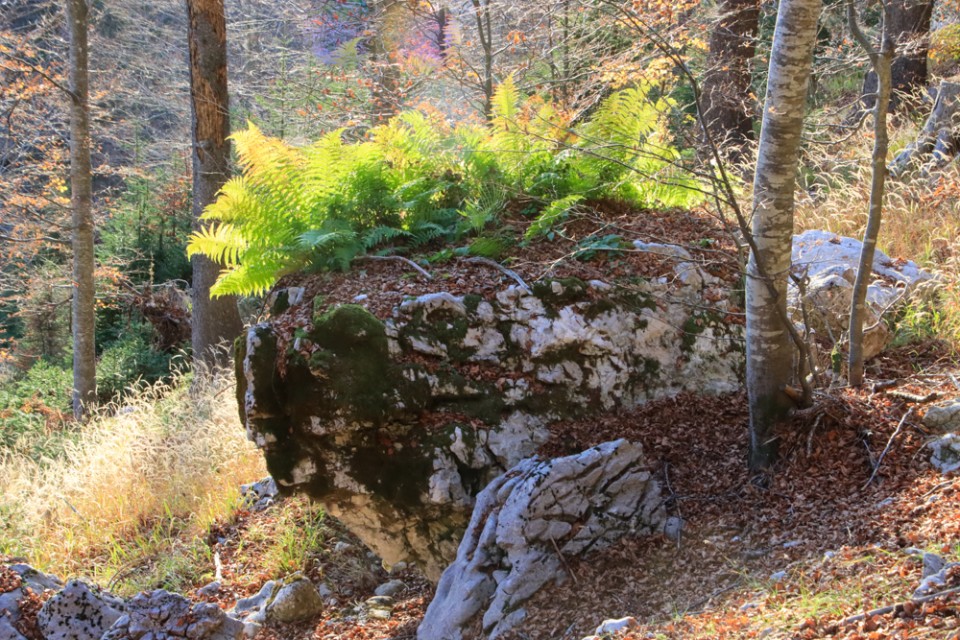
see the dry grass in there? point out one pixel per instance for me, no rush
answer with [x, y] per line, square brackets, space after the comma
[129, 500]
[921, 218]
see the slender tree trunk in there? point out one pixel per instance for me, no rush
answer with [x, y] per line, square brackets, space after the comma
[907, 24]
[214, 320]
[726, 87]
[481, 13]
[770, 349]
[81, 189]
[939, 141]
[882, 66]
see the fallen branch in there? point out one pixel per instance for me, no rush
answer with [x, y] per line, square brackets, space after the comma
[876, 467]
[893, 607]
[510, 273]
[913, 397]
[406, 261]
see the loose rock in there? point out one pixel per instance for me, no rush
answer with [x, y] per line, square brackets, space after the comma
[521, 525]
[79, 612]
[161, 615]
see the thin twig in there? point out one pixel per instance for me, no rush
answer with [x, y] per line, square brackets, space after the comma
[407, 261]
[510, 273]
[564, 561]
[876, 467]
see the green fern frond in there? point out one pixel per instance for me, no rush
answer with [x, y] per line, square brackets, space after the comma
[222, 243]
[552, 214]
[506, 102]
[379, 235]
[247, 279]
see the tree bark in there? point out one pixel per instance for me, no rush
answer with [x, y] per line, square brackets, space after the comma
[770, 349]
[882, 66]
[81, 201]
[908, 25]
[214, 320]
[726, 87]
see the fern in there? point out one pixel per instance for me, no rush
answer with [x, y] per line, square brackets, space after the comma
[417, 180]
[555, 212]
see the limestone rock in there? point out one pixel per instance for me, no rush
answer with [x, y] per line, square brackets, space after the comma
[79, 612]
[296, 600]
[943, 417]
[257, 496]
[619, 624]
[337, 410]
[391, 588]
[576, 504]
[946, 453]
[934, 577]
[31, 579]
[161, 615]
[829, 264]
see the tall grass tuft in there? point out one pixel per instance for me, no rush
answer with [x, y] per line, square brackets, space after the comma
[128, 501]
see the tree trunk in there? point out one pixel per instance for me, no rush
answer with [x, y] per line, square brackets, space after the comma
[726, 87]
[908, 24]
[939, 141]
[882, 66]
[214, 320]
[770, 349]
[81, 187]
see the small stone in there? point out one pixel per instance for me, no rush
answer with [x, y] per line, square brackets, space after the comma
[380, 614]
[254, 602]
[391, 588]
[324, 590]
[673, 527]
[779, 576]
[295, 600]
[397, 567]
[380, 601]
[829, 555]
[619, 624]
[792, 544]
[342, 547]
[210, 589]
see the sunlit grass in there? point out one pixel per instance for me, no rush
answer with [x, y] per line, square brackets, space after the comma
[129, 500]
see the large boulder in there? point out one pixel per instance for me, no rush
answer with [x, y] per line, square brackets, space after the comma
[527, 521]
[827, 265]
[79, 612]
[395, 423]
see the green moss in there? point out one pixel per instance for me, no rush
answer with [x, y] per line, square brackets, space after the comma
[354, 359]
[696, 324]
[399, 476]
[571, 290]
[472, 302]
[239, 353]
[443, 326]
[281, 302]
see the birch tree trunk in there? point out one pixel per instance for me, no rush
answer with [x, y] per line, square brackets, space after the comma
[213, 320]
[770, 349]
[81, 188]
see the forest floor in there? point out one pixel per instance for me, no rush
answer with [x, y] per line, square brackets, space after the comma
[838, 529]
[792, 555]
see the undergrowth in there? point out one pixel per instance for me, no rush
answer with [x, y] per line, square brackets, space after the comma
[127, 501]
[420, 178]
